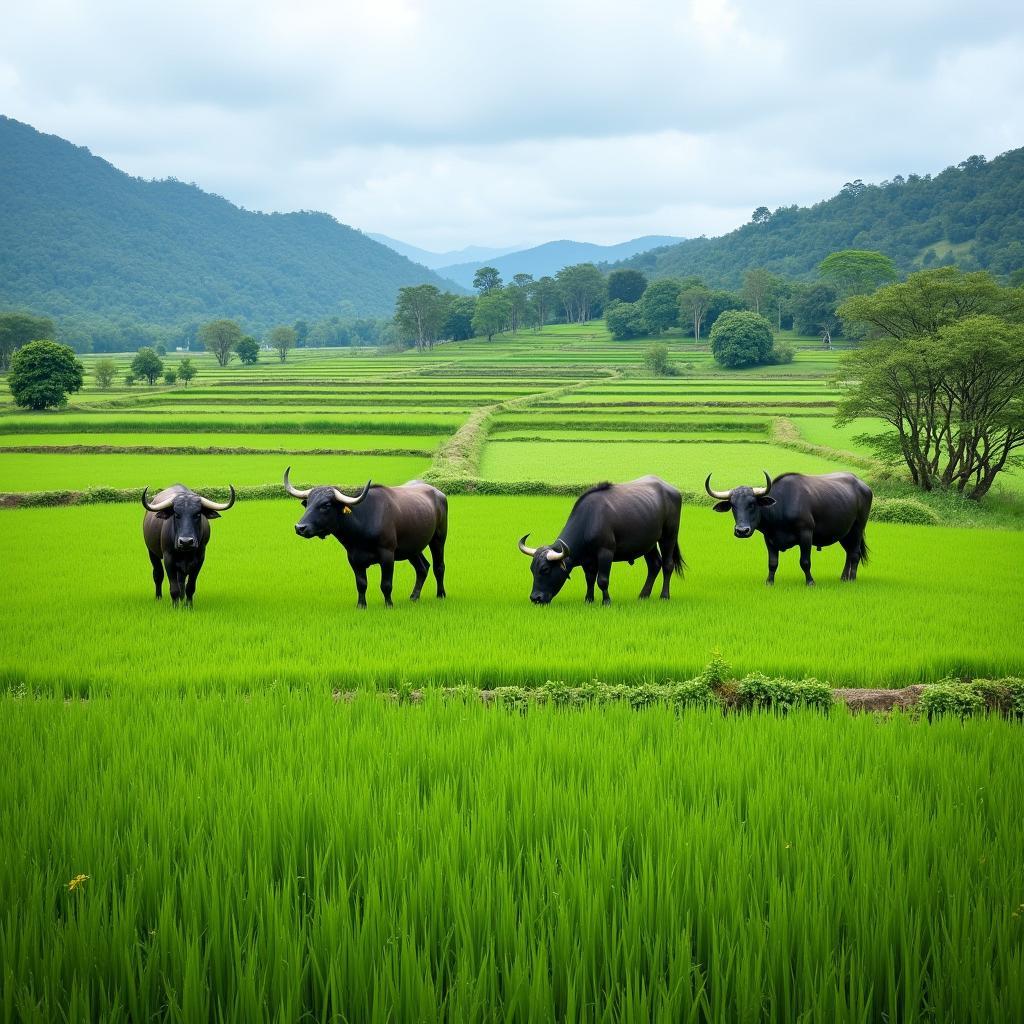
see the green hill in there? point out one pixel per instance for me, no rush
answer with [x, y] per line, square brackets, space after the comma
[971, 214]
[80, 236]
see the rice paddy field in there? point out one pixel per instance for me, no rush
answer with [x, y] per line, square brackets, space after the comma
[276, 807]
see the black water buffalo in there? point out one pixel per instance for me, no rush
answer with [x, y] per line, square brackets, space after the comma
[809, 511]
[176, 529]
[379, 526]
[612, 523]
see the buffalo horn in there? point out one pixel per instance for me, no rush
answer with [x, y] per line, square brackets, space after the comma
[720, 495]
[761, 491]
[348, 499]
[159, 506]
[219, 506]
[293, 491]
[557, 556]
[525, 550]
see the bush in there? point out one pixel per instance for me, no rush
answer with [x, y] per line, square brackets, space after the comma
[656, 361]
[959, 699]
[248, 350]
[741, 338]
[782, 352]
[186, 371]
[759, 691]
[129, 380]
[625, 320]
[43, 374]
[908, 511]
[170, 376]
[147, 364]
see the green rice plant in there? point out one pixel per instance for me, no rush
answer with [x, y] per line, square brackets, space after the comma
[904, 510]
[956, 699]
[762, 693]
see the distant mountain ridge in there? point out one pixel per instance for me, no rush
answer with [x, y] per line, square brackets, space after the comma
[549, 258]
[971, 214]
[81, 236]
[433, 260]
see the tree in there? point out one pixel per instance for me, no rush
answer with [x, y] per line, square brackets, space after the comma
[491, 314]
[757, 283]
[459, 324]
[661, 305]
[486, 280]
[421, 311]
[518, 303]
[161, 349]
[17, 329]
[104, 370]
[301, 329]
[741, 338]
[129, 380]
[656, 360]
[761, 215]
[693, 304]
[814, 311]
[625, 320]
[186, 371]
[147, 364]
[221, 337]
[857, 271]
[954, 400]
[248, 350]
[283, 339]
[43, 374]
[626, 285]
[930, 300]
[170, 375]
[545, 297]
[581, 288]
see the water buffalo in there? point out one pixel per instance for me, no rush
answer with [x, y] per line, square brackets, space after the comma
[378, 526]
[176, 529]
[612, 523]
[809, 511]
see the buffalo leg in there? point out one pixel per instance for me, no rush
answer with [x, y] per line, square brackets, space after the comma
[806, 543]
[359, 570]
[158, 575]
[590, 575]
[422, 567]
[773, 561]
[174, 580]
[437, 553]
[653, 565]
[604, 569]
[852, 544]
[190, 583]
[387, 575]
[669, 545]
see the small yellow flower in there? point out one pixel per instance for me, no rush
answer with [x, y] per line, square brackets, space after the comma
[77, 881]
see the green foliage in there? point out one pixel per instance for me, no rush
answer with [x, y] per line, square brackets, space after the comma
[104, 370]
[545, 299]
[486, 279]
[17, 329]
[147, 364]
[43, 374]
[491, 314]
[221, 337]
[978, 203]
[282, 340]
[954, 699]
[421, 313]
[170, 376]
[782, 352]
[582, 291]
[694, 304]
[904, 510]
[740, 338]
[759, 692]
[626, 285]
[857, 272]
[625, 320]
[813, 307]
[248, 350]
[656, 361]
[660, 305]
[186, 371]
[459, 325]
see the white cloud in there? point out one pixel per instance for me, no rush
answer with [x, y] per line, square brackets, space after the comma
[445, 123]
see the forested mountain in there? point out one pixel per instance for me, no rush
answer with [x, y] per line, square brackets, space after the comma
[433, 260]
[971, 215]
[549, 258]
[79, 236]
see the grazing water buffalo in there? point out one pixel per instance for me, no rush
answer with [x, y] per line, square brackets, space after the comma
[809, 511]
[612, 523]
[176, 529]
[378, 526]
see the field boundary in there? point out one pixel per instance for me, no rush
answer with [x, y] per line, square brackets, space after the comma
[784, 433]
[152, 449]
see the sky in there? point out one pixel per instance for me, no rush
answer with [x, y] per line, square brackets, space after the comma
[448, 123]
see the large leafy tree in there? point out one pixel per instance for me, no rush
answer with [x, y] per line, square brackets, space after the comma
[544, 296]
[421, 312]
[104, 370]
[857, 271]
[43, 374]
[221, 337]
[17, 329]
[518, 295]
[814, 311]
[147, 364]
[491, 314]
[487, 279]
[741, 338]
[283, 339]
[757, 283]
[459, 325]
[625, 320]
[186, 371]
[582, 289]
[661, 305]
[694, 303]
[954, 400]
[626, 285]
[248, 350]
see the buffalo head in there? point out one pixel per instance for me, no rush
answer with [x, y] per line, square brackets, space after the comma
[550, 567]
[324, 507]
[184, 511]
[745, 503]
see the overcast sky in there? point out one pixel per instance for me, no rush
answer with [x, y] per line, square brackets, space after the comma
[449, 123]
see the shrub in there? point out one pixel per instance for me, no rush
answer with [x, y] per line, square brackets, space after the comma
[759, 691]
[129, 380]
[908, 511]
[104, 370]
[1003, 695]
[43, 374]
[959, 699]
[625, 320]
[147, 364]
[186, 371]
[170, 376]
[741, 338]
[782, 352]
[248, 350]
[656, 361]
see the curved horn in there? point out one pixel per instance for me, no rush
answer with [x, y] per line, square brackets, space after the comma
[159, 506]
[219, 506]
[293, 491]
[761, 491]
[557, 556]
[525, 550]
[347, 499]
[720, 495]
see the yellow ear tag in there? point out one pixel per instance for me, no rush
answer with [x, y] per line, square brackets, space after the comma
[347, 511]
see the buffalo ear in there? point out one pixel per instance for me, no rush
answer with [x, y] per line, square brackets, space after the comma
[722, 506]
[304, 503]
[165, 513]
[210, 514]
[765, 500]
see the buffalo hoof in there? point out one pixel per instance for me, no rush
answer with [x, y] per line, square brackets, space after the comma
[414, 597]
[769, 583]
[441, 595]
[666, 597]
[606, 600]
[810, 583]
[589, 599]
